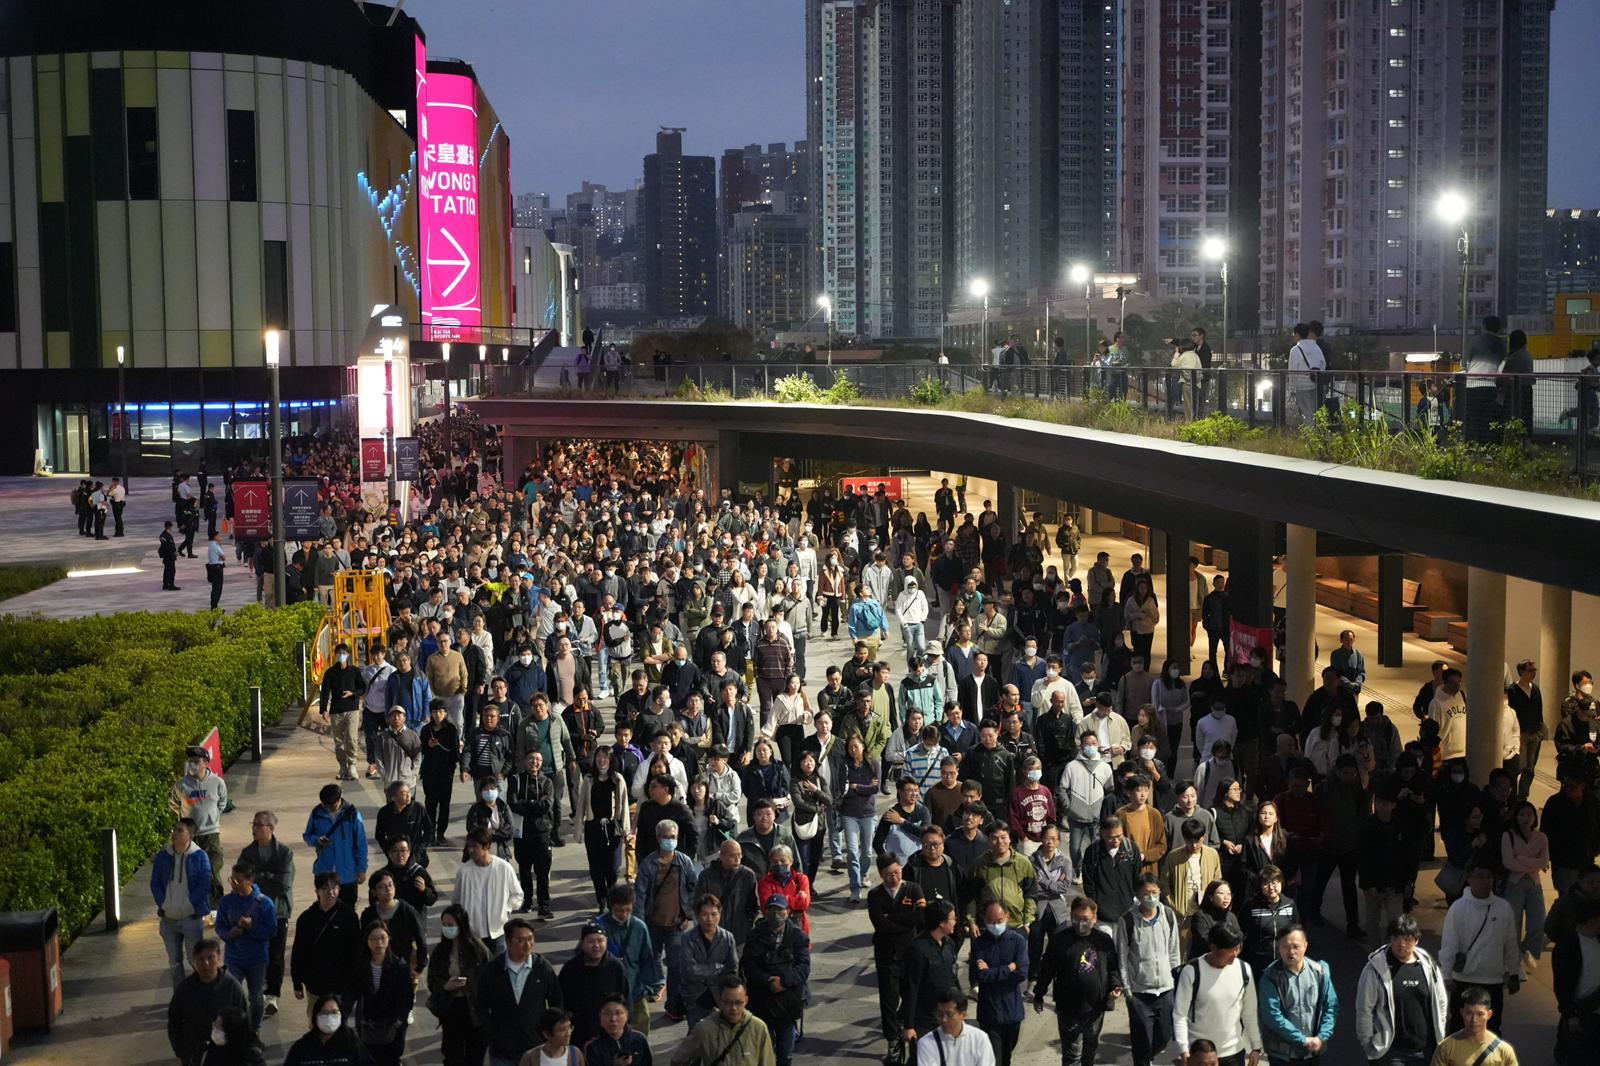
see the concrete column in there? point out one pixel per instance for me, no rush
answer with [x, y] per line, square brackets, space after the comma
[1486, 694]
[1391, 619]
[1250, 551]
[1156, 555]
[1555, 650]
[727, 463]
[1299, 659]
[1006, 499]
[1177, 606]
[516, 452]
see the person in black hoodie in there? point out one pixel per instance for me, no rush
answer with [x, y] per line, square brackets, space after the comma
[592, 976]
[1079, 971]
[895, 907]
[412, 882]
[381, 1006]
[405, 925]
[401, 817]
[441, 754]
[1387, 862]
[1111, 867]
[326, 938]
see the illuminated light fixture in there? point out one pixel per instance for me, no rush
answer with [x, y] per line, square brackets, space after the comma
[105, 571]
[1422, 357]
[390, 208]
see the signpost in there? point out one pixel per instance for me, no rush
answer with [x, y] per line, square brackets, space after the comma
[301, 509]
[374, 461]
[407, 459]
[252, 510]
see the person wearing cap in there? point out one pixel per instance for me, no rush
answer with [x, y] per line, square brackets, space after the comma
[588, 979]
[203, 796]
[776, 962]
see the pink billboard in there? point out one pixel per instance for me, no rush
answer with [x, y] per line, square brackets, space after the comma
[448, 176]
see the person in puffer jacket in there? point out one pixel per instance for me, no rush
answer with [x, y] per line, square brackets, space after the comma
[1400, 969]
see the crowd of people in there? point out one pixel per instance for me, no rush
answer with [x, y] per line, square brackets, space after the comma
[601, 654]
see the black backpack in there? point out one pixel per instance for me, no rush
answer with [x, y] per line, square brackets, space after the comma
[1194, 989]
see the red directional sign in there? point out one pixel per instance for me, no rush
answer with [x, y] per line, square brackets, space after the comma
[252, 510]
[374, 459]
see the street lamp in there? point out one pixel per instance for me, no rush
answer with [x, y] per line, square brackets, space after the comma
[1079, 275]
[1453, 209]
[826, 303]
[122, 418]
[279, 556]
[483, 369]
[1216, 250]
[979, 288]
[445, 347]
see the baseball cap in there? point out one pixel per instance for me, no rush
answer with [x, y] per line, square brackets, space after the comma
[778, 899]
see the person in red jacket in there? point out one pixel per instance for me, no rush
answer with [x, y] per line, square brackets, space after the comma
[783, 879]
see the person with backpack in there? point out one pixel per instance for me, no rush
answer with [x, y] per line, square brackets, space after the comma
[1215, 1001]
[1147, 943]
[1298, 1004]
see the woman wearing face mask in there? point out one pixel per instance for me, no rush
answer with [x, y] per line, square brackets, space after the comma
[1325, 743]
[233, 1041]
[784, 878]
[451, 969]
[1149, 739]
[1170, 696]
[491, 812]
[831, 586]
[1032, 808]
[330, 1042]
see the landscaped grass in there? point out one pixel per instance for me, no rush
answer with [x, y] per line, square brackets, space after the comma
[21, 578]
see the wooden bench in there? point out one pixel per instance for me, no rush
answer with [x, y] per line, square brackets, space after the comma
[1434, 625]
[1456, 634]
[1362, 602]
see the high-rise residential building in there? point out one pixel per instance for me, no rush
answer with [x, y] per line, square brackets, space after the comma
[1081, 165]
[766, 268]
[838, 199]
[996, 138]
[1572, 251]
[814, 58]
[1369, 114]
[1191, 121]
[530, 210]
[679, 206]
[773, 174]
[905, 166]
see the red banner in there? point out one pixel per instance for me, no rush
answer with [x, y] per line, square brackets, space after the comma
[252, 510]
[1243, 639]
[213, 744]
[868, 486]
[374, 459]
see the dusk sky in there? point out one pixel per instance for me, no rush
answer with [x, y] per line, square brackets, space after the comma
[582, 86]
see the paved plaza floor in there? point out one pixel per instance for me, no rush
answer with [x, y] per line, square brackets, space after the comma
[116, 985]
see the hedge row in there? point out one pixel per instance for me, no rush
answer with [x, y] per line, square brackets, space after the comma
[94, 716]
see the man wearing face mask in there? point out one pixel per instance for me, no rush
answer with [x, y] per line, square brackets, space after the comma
[1082, 973]
[997, 969]
[202, 795]
[1147, 946]
[776, 962]
[342, 691]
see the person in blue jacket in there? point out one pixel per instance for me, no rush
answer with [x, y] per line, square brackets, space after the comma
[180, 883]
[524, 677]
[408, 687]
[1298, 1004]
[628, 938]
[336, 830]
[247, 921]
[997, 970]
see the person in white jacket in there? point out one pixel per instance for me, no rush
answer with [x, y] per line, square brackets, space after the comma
[1480, 943]
[1216, 999]
[1052, 682]
[912, 608]
[877, 577]
[488, 889]
[1402, 962]
[1081, 793]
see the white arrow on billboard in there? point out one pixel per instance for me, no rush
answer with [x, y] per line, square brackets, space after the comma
[464, 263]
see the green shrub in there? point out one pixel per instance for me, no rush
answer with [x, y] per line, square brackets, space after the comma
[930, 392]
[844, 390]
[94, 716]
[18, 579]
[1219, 430]
[798, 388]
[689, 389]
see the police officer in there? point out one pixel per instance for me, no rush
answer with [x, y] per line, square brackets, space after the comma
[168, 551]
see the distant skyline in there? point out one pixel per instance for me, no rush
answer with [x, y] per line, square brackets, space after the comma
[582, 87]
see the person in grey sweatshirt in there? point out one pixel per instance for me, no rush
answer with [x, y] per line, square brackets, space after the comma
[203, 796]
[1147, 940]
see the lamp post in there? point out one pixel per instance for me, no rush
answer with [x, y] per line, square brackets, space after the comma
[387, 347]
[122, 418]
[483, 369]
[1079, 275]
[826, 303]
[1453, 209]
[445, 347]
[279, 556]
[1216, 249]
[979, 288]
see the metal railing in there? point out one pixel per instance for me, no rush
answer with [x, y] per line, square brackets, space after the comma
[1560, 410]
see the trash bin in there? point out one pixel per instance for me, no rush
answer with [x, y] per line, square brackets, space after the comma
[30, 942]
